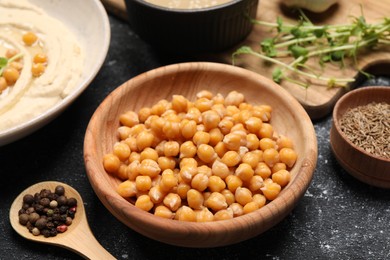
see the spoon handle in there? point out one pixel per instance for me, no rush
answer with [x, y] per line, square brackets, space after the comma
[85, 244]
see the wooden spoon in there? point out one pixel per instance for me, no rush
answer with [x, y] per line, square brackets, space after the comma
[78, 237]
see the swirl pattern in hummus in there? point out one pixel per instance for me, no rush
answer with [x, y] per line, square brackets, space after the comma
[32, 96]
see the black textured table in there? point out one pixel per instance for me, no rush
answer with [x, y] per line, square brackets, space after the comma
[338, 217]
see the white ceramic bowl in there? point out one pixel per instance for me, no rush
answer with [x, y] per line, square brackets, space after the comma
[88, 20]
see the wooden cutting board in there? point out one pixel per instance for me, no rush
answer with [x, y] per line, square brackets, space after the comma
[317, 99]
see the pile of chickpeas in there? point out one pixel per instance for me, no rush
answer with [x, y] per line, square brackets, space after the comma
[211, 159]
[11, 72]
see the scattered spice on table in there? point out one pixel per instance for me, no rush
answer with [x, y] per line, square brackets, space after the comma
[47, 213]
[368, 126]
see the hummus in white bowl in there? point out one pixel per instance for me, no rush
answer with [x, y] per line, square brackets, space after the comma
[71, 63]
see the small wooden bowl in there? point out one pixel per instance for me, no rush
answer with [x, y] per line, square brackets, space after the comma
[288, 118]
[368, 168]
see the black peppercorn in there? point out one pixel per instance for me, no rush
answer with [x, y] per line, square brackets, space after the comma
[71, 214]
[62, 200]
[63, 209]
[56, 216]
[29, 226]
[44, 193]
[53, 232]
[47, 213]
[52, 196]
[44, 202]
[25, 206]
[37, 197]
[39, 208]
[50, 225]
[23, 219]
[41, 223]
[63, 218]
[60, 190]
[28, 198]
[68, 221]
[30, 210]
[72, 202]
[45, 232]
[33, 217]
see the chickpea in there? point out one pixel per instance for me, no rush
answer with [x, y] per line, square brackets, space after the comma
[281, 177]
[40, 58]
[233, 182]
[234, 98]
[143, 183]
[243, 195]
[223, 214]
[206, 153]
[250, 207]
[179, 103]
[172, 201]
[188, 128]
[279, 166]
[288, 156]
[29, 38]
[216, 201]
[16, 65]
[149, 153]
[11, 53]
[166, 163]
[204, 215]
[143, 202]
[266, 143]
[195, 199]
[11, 75]
[266, 131]
[156, 194]
[204, 94]
[38, 69]
[185, 213]
[111, 163]
[122, 151]
[271, 189]
[210, 119]
[271, 156]
[127, 189]
[216, 184]
[163, 212]
[200, 182]
[212, 159]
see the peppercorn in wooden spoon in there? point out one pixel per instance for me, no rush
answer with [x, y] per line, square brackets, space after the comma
[77, 235]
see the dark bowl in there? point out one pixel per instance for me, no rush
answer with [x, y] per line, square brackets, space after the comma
[192, 30]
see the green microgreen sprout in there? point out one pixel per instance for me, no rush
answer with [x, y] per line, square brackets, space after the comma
[329, 43]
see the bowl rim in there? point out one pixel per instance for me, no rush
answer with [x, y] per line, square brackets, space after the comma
[288, 196]
[214, 8]
[336, 119]
[19, 131]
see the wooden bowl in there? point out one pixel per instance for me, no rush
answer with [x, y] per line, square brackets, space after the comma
[288, 118]
[368, 168]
